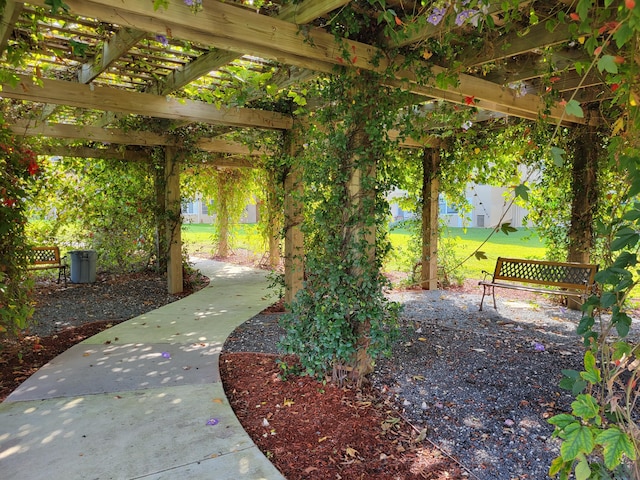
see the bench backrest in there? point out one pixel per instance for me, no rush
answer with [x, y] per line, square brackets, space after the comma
[575, 276]
[45, 256]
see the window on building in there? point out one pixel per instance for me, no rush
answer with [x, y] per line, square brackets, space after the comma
[445, 208]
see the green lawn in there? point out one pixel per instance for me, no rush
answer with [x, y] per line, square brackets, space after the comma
[198, 237]
[521, 244]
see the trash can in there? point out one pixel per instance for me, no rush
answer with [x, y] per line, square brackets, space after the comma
[83, 266]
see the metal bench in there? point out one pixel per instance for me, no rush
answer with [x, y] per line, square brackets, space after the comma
[43, 258]
[539, 276]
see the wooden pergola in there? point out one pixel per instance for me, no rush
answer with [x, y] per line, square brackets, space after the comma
[94, 62]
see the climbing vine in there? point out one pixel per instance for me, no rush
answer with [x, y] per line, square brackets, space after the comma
[341, 320]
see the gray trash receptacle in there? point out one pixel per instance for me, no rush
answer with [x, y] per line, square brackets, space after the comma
[83, 266]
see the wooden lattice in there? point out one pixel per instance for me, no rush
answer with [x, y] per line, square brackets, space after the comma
[545, 273]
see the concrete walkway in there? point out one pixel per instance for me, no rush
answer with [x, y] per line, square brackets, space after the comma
[142, 399]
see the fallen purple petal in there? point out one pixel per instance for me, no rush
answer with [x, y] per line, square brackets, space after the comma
[166, 355]
[212, 421]
[538, 347]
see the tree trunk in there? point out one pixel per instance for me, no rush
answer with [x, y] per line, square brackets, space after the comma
[430, 192]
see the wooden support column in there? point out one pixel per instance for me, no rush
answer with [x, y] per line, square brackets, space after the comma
[160, 211]
[293, 237]
[274, 218]
[173, 220]
[430, 192]
[586, 149]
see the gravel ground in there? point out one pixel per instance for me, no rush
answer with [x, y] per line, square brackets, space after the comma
[111, 297]
[482, 384]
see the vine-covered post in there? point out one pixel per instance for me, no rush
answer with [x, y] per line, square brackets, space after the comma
[222, 218]
[158, 168]
[430, 206]
[173, 220]
[586, 150]
[293, 237]
[274, 218]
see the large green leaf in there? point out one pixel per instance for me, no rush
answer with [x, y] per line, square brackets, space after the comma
[578, 439]
[615, 443]
[585, 406]
[626, 237]
[573, 108]
[608, 63]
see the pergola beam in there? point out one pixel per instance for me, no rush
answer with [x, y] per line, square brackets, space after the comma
[308, 10]
[231, 28]
[116, 100]
[538, 37]
[128, 137]
[116, 47]
[9, 17]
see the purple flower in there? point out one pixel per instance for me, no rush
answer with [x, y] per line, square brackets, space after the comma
[162, 39]
[538, 347]
[166, 355]
[188, 3]
[464, 15]
[212, 421]
[436, 15]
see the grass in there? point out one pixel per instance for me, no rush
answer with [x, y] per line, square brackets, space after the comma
[462, 242]
[199, 237]
[458, 247]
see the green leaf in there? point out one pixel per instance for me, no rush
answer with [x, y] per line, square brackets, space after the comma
[585, 406]
[506, 228]
[608, 63]
[56, 5]
[557, 155]
[620, 350]
[559, 465]
[562, 420]
[578, 439]
[573, 108]
[522, 191]
[615, 443]
[480, 255]
[623, 34]
[626, 237]
[583, 472]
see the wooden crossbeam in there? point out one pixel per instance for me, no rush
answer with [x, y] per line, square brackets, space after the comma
[10, 15]
[231, 28]
[116, 100]
[127, 137]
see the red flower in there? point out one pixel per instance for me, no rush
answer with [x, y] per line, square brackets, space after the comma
[33, 167]
[470, 100]
[614, 87]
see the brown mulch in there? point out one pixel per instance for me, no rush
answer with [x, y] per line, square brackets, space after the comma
[309, 429]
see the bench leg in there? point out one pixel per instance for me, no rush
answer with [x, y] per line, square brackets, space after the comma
[485, 292]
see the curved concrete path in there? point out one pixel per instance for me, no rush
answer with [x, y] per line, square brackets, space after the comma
[142, 399]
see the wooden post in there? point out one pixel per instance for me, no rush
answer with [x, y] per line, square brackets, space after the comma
[584, 189]
[293, 237]
[274, 218]
[430, 192]
[174, 220]
[160, 214]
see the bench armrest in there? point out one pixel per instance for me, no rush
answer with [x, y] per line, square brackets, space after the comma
[486, 274]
